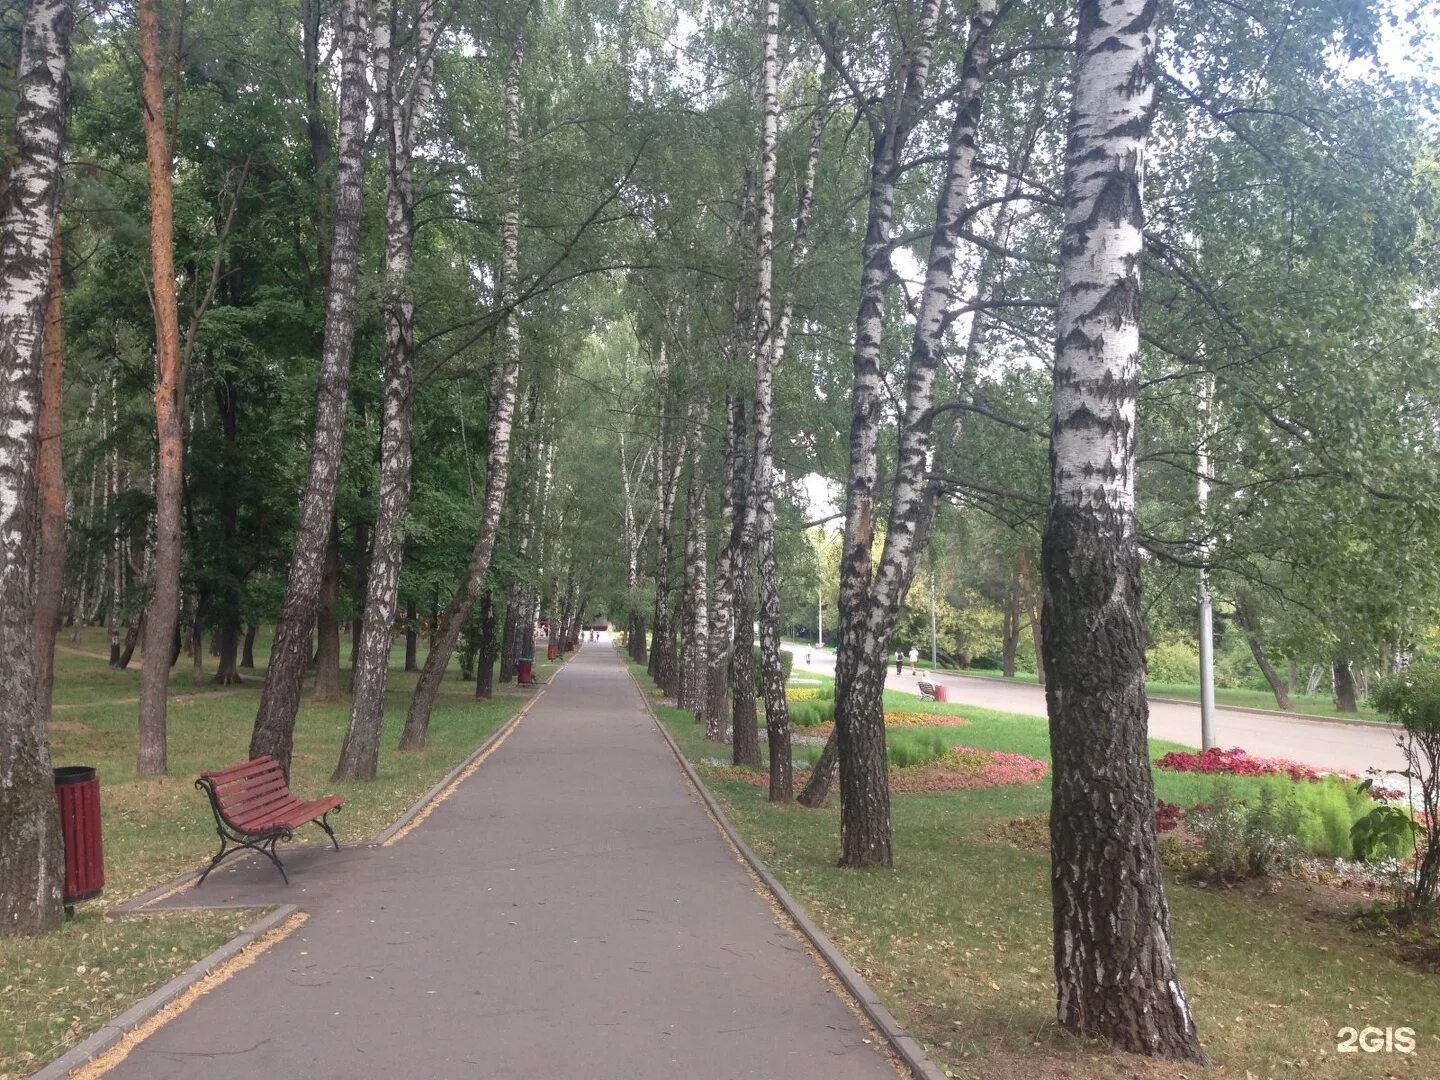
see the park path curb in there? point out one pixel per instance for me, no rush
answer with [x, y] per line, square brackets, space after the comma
[901, 1041]
[88, 1049]
[140, 903]
[96, 1044]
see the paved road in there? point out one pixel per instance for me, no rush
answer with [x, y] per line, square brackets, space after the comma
[570, 912]
[1320, 744]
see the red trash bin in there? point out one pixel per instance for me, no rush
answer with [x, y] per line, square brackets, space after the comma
[77, 790]
[525, 670]
[550, 651]
[941, 693]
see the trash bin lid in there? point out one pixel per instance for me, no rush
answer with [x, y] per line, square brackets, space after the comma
[74, 774]
[525, 659]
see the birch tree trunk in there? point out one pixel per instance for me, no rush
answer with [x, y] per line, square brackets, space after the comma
[327, 622]
[31, 860]
[50, 479]
[721, 643]
[275, 723]
[399, 114]
[662, 656]
[417, 720]
[164, 609]
[696, 626]
[869, 608]
[1114, 974]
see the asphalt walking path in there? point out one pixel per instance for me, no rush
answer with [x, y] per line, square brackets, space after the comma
[570, 911]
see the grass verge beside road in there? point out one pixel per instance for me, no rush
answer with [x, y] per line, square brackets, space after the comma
[957, 938]
[56, 989]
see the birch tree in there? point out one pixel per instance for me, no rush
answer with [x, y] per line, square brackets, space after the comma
[1114, 974]
[417, 720]
[31, 862]
[275, 723]
[402, 108]
[871, 595]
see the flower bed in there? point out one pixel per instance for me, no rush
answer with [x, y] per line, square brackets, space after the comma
[1234, 762]
[963, 768]
[923, 719]
[802, 693]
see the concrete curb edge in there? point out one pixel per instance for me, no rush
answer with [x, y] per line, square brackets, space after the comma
[92, 1047]
[903, 1043]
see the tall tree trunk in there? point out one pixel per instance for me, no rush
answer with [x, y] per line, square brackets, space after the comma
[417, 721]
[31, 861]
[275, 723]
[662, 656]
[1035, 609]
[412, 637]
[399, 111]
[226, 671]
[485, 661]
[247, 650]
[1344, 677]
[50, 479]
[870, 598]
[327, 622]
[1010, 634]
[1114, 973]
[164, 608]
[510, 635]
[696, 626]
[722, 621]
[1249, 625]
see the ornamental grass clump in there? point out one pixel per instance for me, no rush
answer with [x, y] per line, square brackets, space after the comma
[1241, 840]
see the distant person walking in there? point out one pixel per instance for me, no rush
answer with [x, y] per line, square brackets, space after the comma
[899, 662]
[914, 660]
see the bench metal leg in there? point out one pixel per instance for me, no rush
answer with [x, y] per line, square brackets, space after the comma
[230, 845]
[330, 832]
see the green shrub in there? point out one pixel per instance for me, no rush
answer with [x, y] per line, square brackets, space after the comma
[1243, 840]
[1173, 662]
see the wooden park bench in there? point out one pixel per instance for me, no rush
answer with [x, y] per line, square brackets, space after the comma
[927, 691]
[254, 810]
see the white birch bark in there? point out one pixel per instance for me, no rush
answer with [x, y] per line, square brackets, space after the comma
[280, 700]
[401, 107]
[1115, 977]
[31, 862]
[417, 720]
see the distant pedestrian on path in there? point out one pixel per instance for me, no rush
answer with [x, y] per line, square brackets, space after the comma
[914, 660]
[899, 662]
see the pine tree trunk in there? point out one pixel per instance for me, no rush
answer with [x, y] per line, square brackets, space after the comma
[327, 622]
[50, 480]
[161, 618]
[275, 724]
[31, 860]
[417, 720]
[1114, 973]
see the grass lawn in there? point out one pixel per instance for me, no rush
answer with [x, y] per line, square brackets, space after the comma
[58, 988]
[957, 938]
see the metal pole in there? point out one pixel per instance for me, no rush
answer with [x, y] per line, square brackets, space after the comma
[819, 619]
[1207, 614]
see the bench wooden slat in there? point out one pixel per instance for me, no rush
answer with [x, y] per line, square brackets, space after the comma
[254, 766]
[240, 799]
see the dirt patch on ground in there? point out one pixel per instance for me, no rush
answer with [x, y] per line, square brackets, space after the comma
[66, 725]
